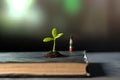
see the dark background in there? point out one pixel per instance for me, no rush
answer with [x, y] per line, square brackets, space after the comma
[93, 24]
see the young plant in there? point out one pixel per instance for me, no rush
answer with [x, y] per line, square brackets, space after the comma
[54, 37]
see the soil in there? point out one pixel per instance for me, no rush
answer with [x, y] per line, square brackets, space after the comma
[56, 54]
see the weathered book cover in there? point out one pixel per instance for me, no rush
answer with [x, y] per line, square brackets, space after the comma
[33, 63]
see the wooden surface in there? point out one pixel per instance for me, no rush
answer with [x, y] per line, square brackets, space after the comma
[43, 68]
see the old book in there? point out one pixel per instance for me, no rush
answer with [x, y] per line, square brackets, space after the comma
[33, 63]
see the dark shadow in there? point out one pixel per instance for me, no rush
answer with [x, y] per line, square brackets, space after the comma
[96, 70]
[41, 76]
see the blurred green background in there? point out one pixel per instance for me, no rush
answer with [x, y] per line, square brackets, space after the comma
[93, 24]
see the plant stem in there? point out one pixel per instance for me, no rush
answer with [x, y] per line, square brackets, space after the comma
[54, 45]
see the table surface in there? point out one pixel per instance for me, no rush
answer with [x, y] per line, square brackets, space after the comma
[103, 66]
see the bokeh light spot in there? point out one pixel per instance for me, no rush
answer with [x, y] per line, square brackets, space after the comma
[72, 7]
[16, 8]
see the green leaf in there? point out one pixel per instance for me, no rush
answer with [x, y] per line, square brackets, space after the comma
[54, 32]
[47, 39]
[59, 35]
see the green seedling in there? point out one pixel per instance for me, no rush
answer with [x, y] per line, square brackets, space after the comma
[54, 37]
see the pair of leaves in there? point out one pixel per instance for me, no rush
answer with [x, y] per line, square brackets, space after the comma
[54, 34]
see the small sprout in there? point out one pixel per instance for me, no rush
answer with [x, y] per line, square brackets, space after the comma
[55, 36]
